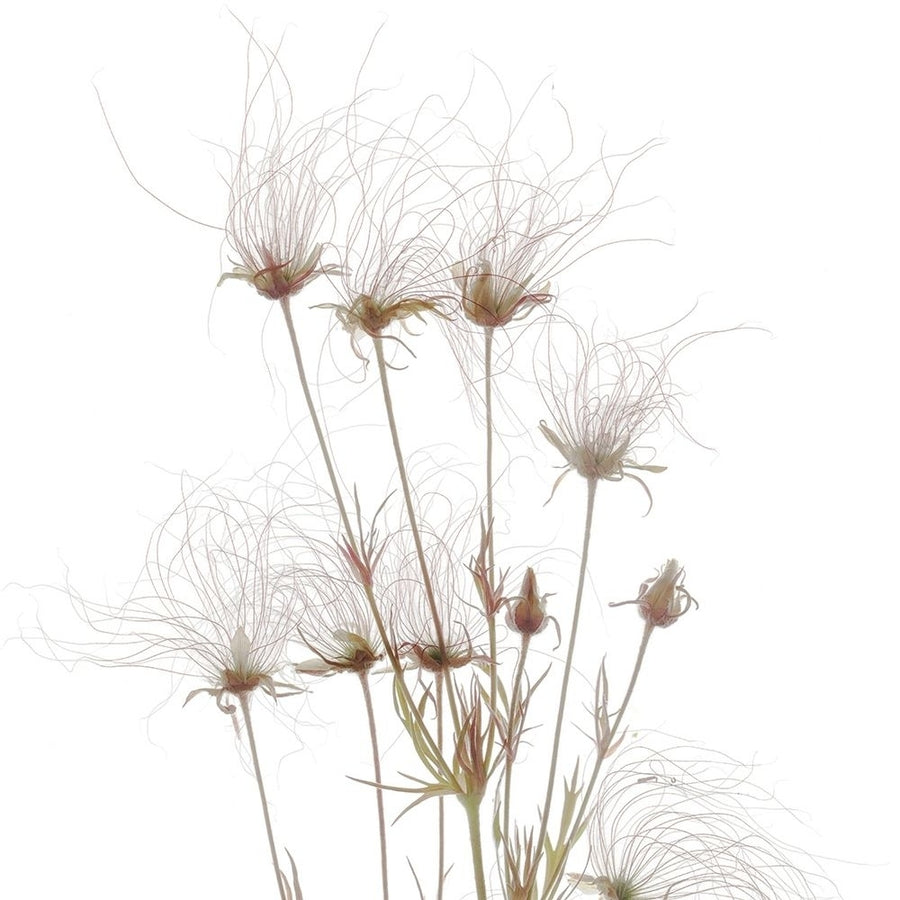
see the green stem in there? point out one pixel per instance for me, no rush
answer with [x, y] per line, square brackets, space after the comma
[376, 764]
[567, 671]
[473, 807]
[244, 699]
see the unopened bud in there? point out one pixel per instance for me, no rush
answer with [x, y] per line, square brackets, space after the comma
[664, 599]
[527, 613]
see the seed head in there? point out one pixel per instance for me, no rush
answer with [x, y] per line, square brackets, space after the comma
[493, 298]
[337, 626]
[453, 640]
[526, 221]
[395, 268]
[685, 823]
[218, 599]
[603, 408]
[281, 195]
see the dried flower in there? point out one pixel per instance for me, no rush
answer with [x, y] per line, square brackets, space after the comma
[663, 599]
[683, 824]
[280, 204]
[492, 298]
[396, 270]
[372, 315]
[217, 600]
[525, 222]
[618, 394]
[338, 628]
[522, 230]
[454, 639]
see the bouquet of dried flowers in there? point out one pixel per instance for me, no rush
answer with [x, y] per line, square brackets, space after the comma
[406, 232]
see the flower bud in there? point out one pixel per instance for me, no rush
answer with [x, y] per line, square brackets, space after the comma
[664, 599]
[527, 613]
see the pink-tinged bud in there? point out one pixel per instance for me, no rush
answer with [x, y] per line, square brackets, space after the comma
[527, 613]
[664, 599]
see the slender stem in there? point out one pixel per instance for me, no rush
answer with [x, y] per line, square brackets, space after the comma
[645, 639]
[439, 712]
[407, 494]
[329, 465]
[489, 488]
[376, 764]
[320, 434]
[473, 808]
[567, 671]
[602, 750]
[512, 727]
[411, 515]
[489, 448]
[244, 699]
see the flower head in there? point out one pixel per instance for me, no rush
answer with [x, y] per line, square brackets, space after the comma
[527, 613]
[451, 640]
[684, 824]
[395, 272]
[493, 294]
[525, 221]
[281, 198]
[217, 600]
[602, 409]
[663, 599]
[337, 628]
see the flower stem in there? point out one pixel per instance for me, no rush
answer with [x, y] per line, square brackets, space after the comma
[473, 807]
[439, 712]
[603, 749]
[345, 520]
[489, 488]
[376, 765]
[489, 447]
[578, 822]
[511, 731]
[244, 699]
[567, 671]
[411, 515]
[320, 434]
[407, 494]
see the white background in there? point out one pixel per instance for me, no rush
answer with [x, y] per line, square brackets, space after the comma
[121, 367]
